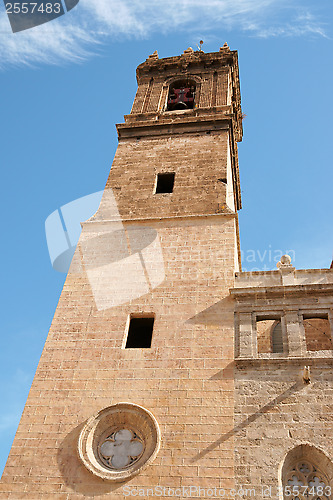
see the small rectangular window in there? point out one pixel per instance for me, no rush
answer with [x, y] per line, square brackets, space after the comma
[317, 332]
[165, 183]
[140, 332]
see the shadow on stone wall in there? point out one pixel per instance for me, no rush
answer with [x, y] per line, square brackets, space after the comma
[213, 315]
[252, 418]
[75, 475]
[228, 373]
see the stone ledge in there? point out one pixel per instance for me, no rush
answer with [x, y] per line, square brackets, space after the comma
[281, 291]
[167, 127]
[294, 360]
[231, 214]
[177, 115]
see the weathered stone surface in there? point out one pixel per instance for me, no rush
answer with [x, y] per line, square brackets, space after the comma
[186, 378]
[233, 414]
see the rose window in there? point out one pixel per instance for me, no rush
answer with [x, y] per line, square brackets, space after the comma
[119, 441]
[121, 449]
[305, 481]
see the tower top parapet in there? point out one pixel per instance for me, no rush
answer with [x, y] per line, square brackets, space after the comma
[189, 60]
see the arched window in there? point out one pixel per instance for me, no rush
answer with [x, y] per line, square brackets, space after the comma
[269, 335]
[181, 95]
[306, 474]
[305, 477]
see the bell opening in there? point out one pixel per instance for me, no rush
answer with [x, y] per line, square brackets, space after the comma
[181, 95]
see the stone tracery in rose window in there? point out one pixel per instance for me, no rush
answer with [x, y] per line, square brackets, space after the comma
[121, 449]
[305, 481]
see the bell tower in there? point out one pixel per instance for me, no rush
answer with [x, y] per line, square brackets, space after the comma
[135, 385]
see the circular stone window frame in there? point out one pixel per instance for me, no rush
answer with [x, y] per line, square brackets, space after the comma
[113, 418]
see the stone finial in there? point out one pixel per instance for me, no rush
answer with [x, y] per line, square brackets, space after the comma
[189, 51]
[153, 56]
[225, 47]
[285, 262]
[287, 270]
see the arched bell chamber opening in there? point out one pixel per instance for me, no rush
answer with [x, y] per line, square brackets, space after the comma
[181, 95]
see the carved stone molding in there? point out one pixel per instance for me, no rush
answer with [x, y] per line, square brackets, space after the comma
[119, 441]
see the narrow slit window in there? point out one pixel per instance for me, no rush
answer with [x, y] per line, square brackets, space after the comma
[140, 333]
[165, 183]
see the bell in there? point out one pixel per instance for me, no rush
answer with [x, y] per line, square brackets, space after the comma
[180, 105]
[181, 98]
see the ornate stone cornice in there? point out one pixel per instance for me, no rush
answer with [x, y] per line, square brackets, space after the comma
[167, 126]
[187, 61]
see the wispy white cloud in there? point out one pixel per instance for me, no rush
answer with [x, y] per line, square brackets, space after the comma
[50, 43]
[77, 34]
[302, 23]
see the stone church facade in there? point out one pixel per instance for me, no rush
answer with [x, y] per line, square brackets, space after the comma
[167, 370]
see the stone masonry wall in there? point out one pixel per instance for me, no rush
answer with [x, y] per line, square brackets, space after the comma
[198, 160]
[185, 379]
[276, 408]
[275, 412]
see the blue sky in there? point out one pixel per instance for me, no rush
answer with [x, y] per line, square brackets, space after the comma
[65, 84]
